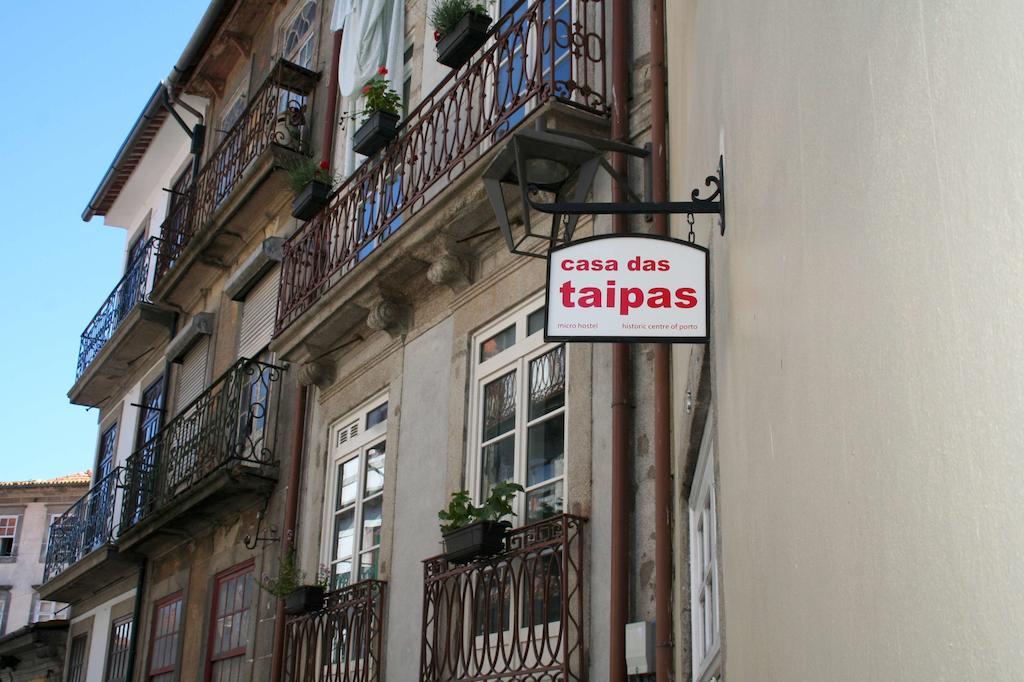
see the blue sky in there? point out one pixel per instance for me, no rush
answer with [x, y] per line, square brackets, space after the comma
[75, 79]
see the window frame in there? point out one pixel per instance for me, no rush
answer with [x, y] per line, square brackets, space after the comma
[157, 605]
[314, 33]
[339, 454]
[83, 664]
[703, 496]
[525, 348]
[14, 536]
[5, 608]
[219, 579]
[112, 425]
[115, 623]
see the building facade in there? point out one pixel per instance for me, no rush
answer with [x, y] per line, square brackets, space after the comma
[288, 401]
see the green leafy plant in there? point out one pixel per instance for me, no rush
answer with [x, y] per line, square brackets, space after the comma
[447, 13]
[305, 171]
[288, 578]
[461, 511]
[380, 96]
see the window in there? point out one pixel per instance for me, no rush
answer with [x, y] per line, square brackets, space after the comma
[704, 566]
[355, 495]
[192, 374]
[118, 649]
[163, 647]
[229, 625]
[518, 420]
[5, 598]
[50, 518]
[108, 442]
[258, 313]
[298, 35]
[76, 658]
[44, 610]
[8, 534]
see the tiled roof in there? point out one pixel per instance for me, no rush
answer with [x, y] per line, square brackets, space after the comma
[81, 478]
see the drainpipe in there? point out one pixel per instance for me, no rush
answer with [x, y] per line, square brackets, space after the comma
[136, 616]
[331, 116]
[291, 507]
[662, 370]
[621, 406]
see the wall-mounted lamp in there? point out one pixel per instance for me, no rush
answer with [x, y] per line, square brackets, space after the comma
[553, 173]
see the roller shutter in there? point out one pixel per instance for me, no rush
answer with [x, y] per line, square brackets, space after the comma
[258, 311]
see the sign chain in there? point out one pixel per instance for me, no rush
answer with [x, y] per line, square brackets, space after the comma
[691, 236]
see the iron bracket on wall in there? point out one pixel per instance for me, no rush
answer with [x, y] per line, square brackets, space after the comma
[712, 204]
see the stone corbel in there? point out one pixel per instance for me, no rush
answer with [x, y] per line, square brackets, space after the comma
[241, 43]
[450, 270]
[390, 315]
[319, 373]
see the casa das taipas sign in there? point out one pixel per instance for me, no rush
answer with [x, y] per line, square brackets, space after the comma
[628, 288]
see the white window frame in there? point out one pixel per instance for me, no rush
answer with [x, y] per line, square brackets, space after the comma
[312, 38]
[37, 609]
[356, 447]
[704, 574]
[13, 536]
[517, 357]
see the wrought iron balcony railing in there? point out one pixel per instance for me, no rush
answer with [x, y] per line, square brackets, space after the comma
[129, 292]
[341, 642]
[539, 51]
[518, 615]
[276, 114]
[86, 526]
[230, 423]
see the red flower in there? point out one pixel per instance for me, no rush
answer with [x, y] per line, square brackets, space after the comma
[325, 165]
[366, 89]
[437, 36]
[383, 71]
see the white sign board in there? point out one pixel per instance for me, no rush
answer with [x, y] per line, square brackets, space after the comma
[628, 288]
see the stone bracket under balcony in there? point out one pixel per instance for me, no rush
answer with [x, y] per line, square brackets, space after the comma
[216, 500]
[99, 568]
[146, 327]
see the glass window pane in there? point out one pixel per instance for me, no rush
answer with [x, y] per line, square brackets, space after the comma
[544, 502]
[368, 565]
[498, 464]
[497, 343]
[372, 522]
[376, 416]
[547, 382]
[535, 322]
[499, 406]
[342, 573]
[344, 534]
[348, 483]
[374, 481]
[545, 450]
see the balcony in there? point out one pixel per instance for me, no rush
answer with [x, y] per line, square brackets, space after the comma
[81, 557]
[217, 216]
[340, 643]
[213, 459]
[518, 615]
[539, 60]
[124, 328]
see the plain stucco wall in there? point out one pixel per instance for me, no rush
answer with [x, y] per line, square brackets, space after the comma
[868, 355]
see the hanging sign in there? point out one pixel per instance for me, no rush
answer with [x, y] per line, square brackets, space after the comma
[627, 288]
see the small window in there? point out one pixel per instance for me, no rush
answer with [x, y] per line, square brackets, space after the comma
[229, 631]
[163, 652]
[535, 322]
[108, 442]
[5, 598]
[76, 659]
[8, 533]
[377, 416]
[118, 649]
[298, 38]
[46, 610]
[497, 343]
[704, 616]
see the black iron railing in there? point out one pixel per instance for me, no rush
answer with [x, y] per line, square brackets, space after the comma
[277, 114]
[230, 423]
[516, 616]
[129, 292]
[340, 643]
[86, 526]
[540, 51]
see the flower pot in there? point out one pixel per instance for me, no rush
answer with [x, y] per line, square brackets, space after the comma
[375, 133]
[480, 539]
[310, 200]
[304, 599]
[459, 44]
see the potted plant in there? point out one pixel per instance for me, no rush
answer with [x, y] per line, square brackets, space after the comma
[380, 117]
[460, 29]
[288, 585]
[470, 532]
[312, 185]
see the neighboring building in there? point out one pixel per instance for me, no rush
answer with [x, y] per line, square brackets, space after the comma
[269, 385]
[33, 629]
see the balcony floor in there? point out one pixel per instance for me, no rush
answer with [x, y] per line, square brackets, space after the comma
[101, 567]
